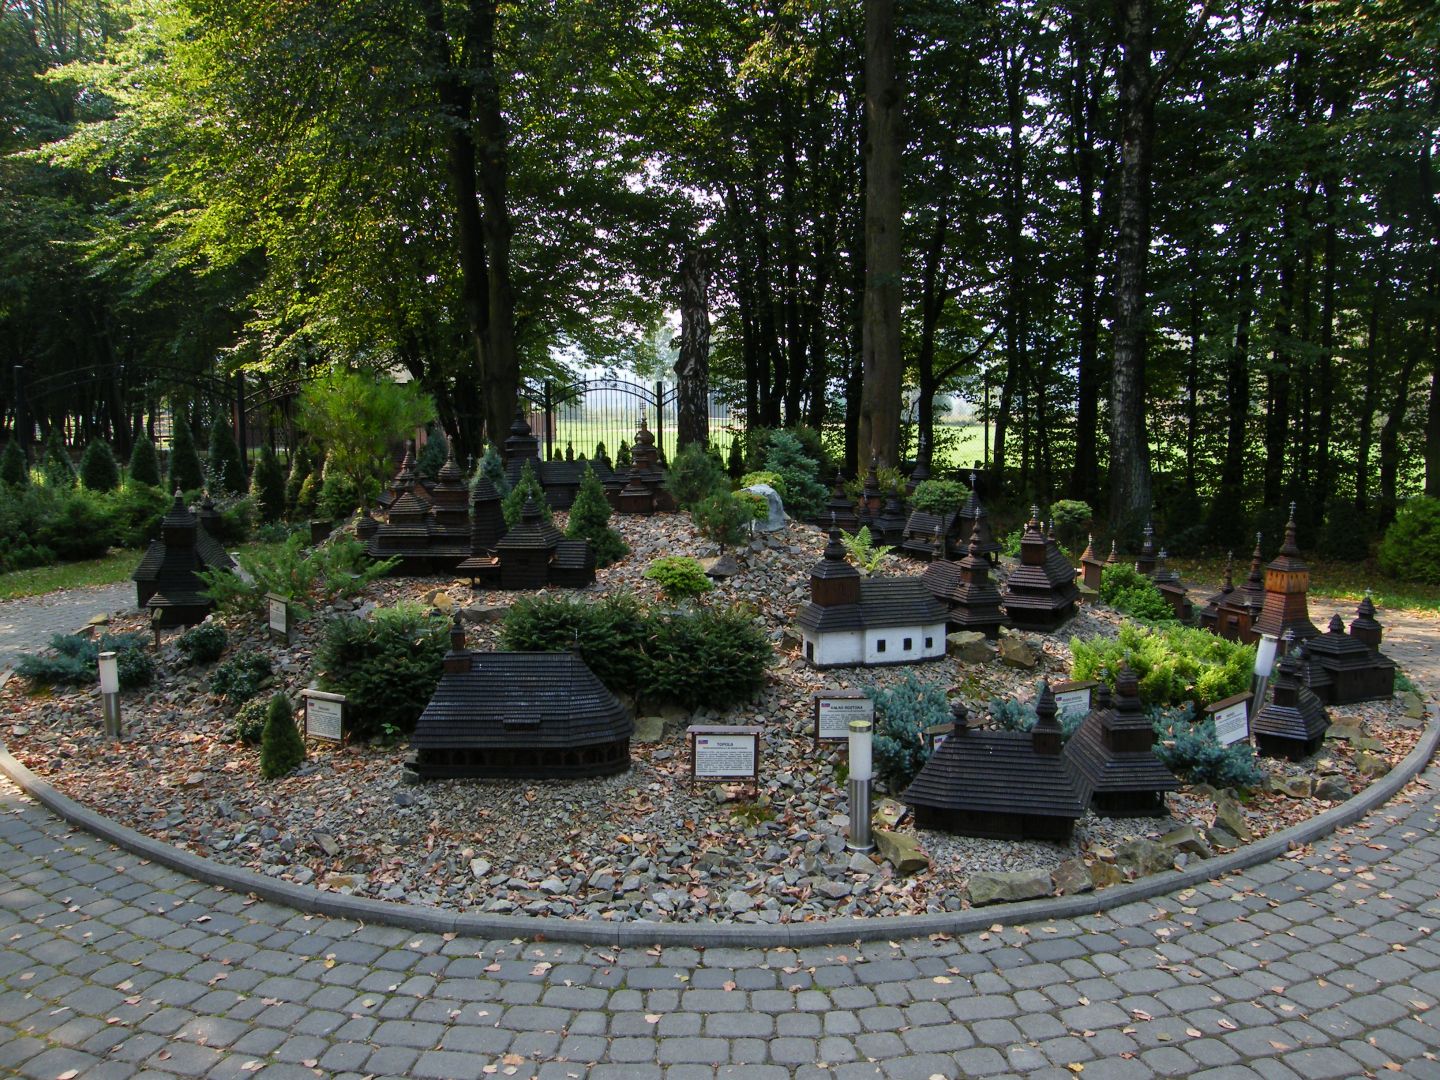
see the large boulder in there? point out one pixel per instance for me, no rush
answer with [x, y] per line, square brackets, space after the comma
[1071, 877]
[1008, 886]
[648, 729]
[774, 519]
[1230, 817]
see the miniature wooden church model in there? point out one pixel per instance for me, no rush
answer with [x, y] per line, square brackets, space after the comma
[1292, 724]
[165, 580]
[1115, 749]
[876, 621]
[1210, 613]
[534, 554]
[1287, 580]
[1352, 670]
[972, 514]
[839, 509]
[519, 715]
[558, 478]
[410, 530]
[1040, 593]
[1091, 568]
[1168, 582]
[1008, 785]
[965, 588]
[1237, 609]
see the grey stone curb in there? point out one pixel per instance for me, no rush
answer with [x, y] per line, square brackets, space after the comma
[739, 935]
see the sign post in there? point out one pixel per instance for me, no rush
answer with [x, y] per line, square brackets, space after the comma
[834, 709]
[1073, 698]
[1232, 718]
[324, 716]
[724, 752]
[279, 624]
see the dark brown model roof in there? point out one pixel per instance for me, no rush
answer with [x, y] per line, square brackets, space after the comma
[999, 772]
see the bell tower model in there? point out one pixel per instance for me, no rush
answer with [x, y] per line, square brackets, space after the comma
[1287, 580]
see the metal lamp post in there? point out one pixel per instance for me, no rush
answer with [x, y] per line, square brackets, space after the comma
[110, 693]
[862, 771]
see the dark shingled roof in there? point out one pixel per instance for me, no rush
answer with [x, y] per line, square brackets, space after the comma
[999, 772]
[531, 533]
[166, 577]
[574, 555]
[1294, 714]
[898, 602]
[1095, 748]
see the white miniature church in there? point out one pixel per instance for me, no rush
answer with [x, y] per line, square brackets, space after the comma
[880, 621]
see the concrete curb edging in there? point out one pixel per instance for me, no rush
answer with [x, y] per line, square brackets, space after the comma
[738, 935]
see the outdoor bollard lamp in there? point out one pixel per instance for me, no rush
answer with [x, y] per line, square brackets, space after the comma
[110, 693]
[862, 771]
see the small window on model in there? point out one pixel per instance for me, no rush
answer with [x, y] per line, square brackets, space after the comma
[880, 645]
[909, 644]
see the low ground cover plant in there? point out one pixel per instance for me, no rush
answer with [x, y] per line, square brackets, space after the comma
[902, 713]
[387, 666]
[76, 661]
[1128, 591]
[1175, 664]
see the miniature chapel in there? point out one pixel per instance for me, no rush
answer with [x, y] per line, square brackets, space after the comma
[1114, 747]
[965, 588]
[165, 581]
[1040, 593]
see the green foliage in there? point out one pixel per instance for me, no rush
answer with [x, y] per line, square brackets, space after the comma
[902, 713]
[1010, 714]
[241, 677]
[863, 550]
[237, 521]
[1071, 518]
[282, 749]
[339, 496]
[334, 570]
[58, 470]
[1189, 748]
[203, 644]
[694, 476]
[139, 509]
[357, 417]
[267, 486]
[248, 725]
[185, 471]
[724, 517]
[77, 657]
[938, 496]
[227, 471]
[493, 469]
[590, 520]
[679, 577]
[432, 455]
[1174, 663]
[1010, 542]
[602, 456]
[13, 468]
[308, 497]
[735, 463]
[804, 494]
[144, 462]
[387, 666]
[706, 657]
[1127, 590]
[300, 469]
[769, 479]
[623, 458]
[1411, 548]
[98, 469]
[527, 487]
[66, 522]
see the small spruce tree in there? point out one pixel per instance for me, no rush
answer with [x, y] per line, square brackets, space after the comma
[527, 487]
[14, 470]
[267, 486]
[98, 470]
[432, 455]
[590, 520]
[493, 469]
[144, 462]
[185, 471]
[623, 460]
[300, 466]
[735, 464]
[227, 470]
[603, 456]
[281, 747]
[569, 451]
[57, 467]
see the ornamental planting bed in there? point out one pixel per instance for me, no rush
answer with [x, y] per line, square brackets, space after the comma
[646, 844]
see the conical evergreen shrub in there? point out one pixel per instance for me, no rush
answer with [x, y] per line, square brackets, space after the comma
[300, 468]
[144, 462]
[527, 487]
[267, 486]
[227, 470]
[623, 460]
[735, 464]
[281, 747]
[185, 471]
[58, 469]
[590, 520]
[432, 455]
[98, 469]
[14, 470]
[493, 469]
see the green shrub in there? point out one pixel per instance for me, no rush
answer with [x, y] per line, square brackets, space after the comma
[340, 496]
[1411, 548]
[1190, 749]
[771, 479]
[612, 634]
[1071, 518]
[863, 551]
[237, 521]
[282, 749]
[139, 509]
[493, 469]
[185, 471]
[602, 456]
[300, 469]
[1010, 542]
[58, 469]
[387, 666]
[679, 577]
[267, 486]
[527, 487]
[98, 468]
[308, 498]
[735, 463]
[76, 661]
[241, 677]
[14, 470]
[694, 476]
[709, 658]
[144, 462]
[590, 520]
[68, 522]
[226, 469]
[1127, 590]
[623, 458]
[724, 517]
[938, 496]
[1174, 663]
[1010, 714]
[804, 494]
[203, 644]
[431, 458]
[902, 713]
[334, 570]
[248, 725]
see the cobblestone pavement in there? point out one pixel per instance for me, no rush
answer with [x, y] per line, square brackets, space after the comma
[30, 623]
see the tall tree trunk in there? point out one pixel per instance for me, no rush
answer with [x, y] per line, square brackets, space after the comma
[1129, 446]
[692, 367]
[932, 302]
[1277, 379]
[1228, 501]
[1368, 403]
[1017, 322]
[1084, 92]
[882, 363]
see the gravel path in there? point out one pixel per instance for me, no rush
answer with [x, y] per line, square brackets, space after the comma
[29, 624]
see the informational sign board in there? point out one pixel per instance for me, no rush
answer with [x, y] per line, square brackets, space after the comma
[724, 752]
[1072, 698]
[834, 709]
[1232, 718]
[279, 624]
[324, 716]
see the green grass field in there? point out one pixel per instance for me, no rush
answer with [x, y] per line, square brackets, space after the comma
[115, 566]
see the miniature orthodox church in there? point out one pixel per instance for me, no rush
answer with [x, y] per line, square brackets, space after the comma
[1091, 568]
[1168, 582]
[1210, 613]
[972, 514]
[519, 716]
[1040, 593]
[875, 621]
[965, 588]
[1007, 785]
[1292, 724]
[840, 509]
[558, 478]
[1287, 580]
[1237, 609]
[166, 581]
[534, 554]
[1343, 669]
[410, 530]
[1114, 748]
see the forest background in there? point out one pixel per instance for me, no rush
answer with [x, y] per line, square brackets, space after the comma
[477, 192]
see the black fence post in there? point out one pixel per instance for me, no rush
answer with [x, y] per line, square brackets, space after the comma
[660, 417]
[548, 404]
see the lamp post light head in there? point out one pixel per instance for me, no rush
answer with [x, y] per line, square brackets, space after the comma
[109, 673]
[861, 762]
